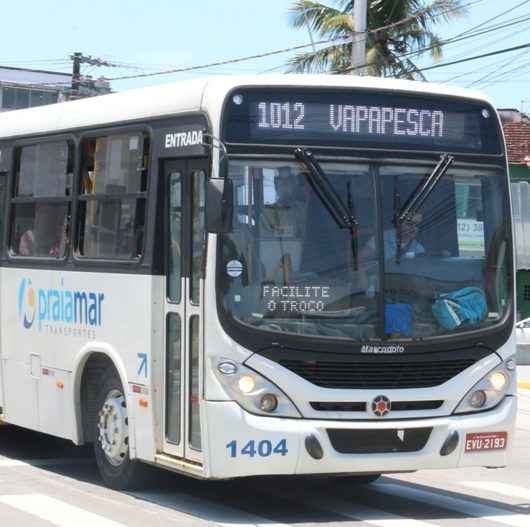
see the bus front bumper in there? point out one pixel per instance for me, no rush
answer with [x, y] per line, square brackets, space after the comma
[242, 444]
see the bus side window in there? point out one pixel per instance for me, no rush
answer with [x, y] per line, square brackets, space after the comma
[470, 218]
[112, 196]
[3, 194]
[42, 200]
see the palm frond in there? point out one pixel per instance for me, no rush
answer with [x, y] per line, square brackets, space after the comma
[325, 59]
[314, 14]
[407, 28]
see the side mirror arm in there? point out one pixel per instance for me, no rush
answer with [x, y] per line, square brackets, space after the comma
[219, 206]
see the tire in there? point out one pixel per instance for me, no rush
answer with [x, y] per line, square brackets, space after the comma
[115, 466]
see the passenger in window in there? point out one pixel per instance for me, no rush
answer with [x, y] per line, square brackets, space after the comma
[88, 179]
[58, 247]
[48, 237]
[26, 246]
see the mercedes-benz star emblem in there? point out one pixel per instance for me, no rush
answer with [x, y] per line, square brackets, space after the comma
[381, 405]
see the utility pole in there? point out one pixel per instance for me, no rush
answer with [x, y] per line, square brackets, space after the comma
[358, 50]
[76, 71]
[77, 59]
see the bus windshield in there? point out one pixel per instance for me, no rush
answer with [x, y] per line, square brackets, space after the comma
[288, 267]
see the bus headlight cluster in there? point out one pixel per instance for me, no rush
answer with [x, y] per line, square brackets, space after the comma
[490, 390]
[252, 391]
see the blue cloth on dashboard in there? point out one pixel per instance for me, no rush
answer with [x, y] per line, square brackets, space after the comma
[398, 318]
[463, 306]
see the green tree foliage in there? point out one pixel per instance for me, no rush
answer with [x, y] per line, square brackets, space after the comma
[389, 52]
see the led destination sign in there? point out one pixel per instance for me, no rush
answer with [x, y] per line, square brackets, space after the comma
[361, 119]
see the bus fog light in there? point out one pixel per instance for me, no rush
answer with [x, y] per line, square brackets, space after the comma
[247, 384]
[269, 402]
[478, 399]
[313, 447]
[498, 380]
[450, 444]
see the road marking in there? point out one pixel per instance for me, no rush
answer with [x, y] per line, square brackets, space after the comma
[365, 514]
[499, 488]
[470, 508]
[352, 509]
[8, 462]
[55, 511]
[204, 508]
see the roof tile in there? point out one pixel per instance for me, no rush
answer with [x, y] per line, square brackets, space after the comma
[517, 137]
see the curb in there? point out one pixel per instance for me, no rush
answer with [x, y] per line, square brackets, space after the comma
[525, 385]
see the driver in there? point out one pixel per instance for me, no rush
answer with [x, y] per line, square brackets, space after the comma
[410, 246]
[286, 217]
[283, 226]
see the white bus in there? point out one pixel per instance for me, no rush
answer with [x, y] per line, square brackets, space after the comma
[285, 275]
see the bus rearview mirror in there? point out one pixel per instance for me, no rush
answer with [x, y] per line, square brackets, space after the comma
[219, 206]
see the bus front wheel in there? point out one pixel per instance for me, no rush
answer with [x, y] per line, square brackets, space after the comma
[111, 440]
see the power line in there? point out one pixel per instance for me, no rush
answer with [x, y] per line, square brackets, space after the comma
[476, 57]
[284, 50]
[502, 75]
[497, 16]
[468, 34]
[495, 72]
[497, 32]
[451, 40]
[229, 61]
[494, 64]
[472, 32]
[100, 62]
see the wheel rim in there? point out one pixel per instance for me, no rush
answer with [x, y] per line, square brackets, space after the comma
[113, 427]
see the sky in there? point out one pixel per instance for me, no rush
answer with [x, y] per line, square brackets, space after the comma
[143, 36]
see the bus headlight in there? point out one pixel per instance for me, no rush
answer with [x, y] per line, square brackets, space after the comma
[489, 391]
[252, 391]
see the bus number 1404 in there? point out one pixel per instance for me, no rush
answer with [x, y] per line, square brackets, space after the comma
[258, 448]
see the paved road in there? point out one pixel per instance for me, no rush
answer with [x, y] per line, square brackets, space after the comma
[46, 482]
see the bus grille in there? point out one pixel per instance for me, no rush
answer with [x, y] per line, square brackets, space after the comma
[377, 375]
[380, 441]
[397, 406]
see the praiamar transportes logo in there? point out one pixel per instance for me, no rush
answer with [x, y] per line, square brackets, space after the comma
[27, 302]
[58, 306]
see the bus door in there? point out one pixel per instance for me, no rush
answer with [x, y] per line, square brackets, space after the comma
[185, 182]
[3, 194]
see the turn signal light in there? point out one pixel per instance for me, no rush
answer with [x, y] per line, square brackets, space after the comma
[478, 399]
[269, 402]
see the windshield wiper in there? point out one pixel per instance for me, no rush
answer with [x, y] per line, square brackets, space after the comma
[340, 212]
[418, 197]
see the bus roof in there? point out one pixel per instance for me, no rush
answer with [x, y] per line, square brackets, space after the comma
[204, 94]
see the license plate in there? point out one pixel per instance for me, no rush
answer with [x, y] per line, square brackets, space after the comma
[486, 441]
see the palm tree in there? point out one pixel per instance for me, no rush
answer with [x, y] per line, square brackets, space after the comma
[389, 51]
